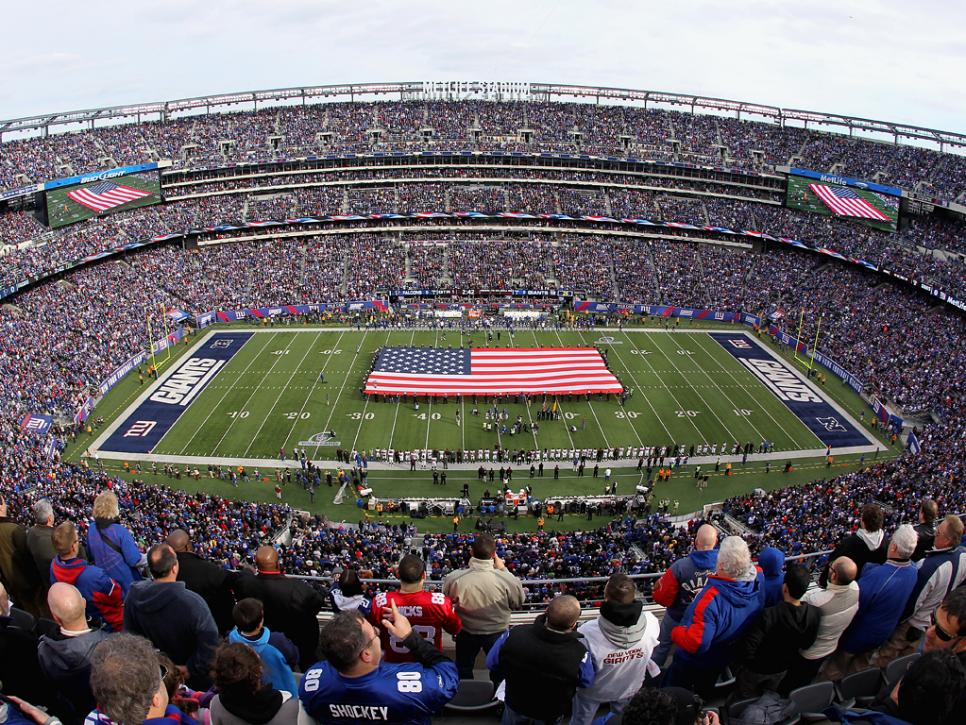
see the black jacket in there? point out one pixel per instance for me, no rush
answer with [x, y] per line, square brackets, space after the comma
[212, 583]
[542, 668]
[773, 640]
[177, 622]
[856, 548]
[927, 537]
[291, 607]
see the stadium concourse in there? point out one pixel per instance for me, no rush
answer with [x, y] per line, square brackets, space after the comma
[73, 321]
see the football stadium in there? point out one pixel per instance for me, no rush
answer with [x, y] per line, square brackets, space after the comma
[480, 401]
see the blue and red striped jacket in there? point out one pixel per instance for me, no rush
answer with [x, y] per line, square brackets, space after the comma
[717, 617]
[98, 589]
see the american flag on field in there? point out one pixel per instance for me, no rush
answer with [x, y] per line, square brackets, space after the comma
[105, 195]
[846, 202]
[490, 371]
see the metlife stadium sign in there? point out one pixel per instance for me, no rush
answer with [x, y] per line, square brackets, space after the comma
[484, 90]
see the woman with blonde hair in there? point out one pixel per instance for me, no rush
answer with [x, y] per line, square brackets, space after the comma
[111, 545]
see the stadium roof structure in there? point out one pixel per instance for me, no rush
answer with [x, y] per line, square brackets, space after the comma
[480, 90]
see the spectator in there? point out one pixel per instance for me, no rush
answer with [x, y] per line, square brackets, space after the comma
[112, 546]
[867, 544]
[484, 594]
[930, 692]
[17, 571]
[947, 629]
[681, 582]
[771, 643]
[772, 563]
[128, 684]
[543, 664]
[291, 606]
[39, 539]
[430, 613]
[278, 653]
[103, 594]
[66, 659]
[838, 603]
[667, 706]
[211, 582]
[942, 569]
[353, 685]
[189, 638]
[348, 593]
[884, 590]
[244, 695]
[926, 528]
[620, 642]
[713, 622]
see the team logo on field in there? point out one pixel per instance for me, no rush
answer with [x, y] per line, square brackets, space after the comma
[140, 428]
[830, 424]
[222, 343]
[607, 340]
[325, 438]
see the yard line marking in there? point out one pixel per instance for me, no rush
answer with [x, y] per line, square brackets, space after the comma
[703, 399]
[281, 392]
[365, 407]
[637, 435]
[221, 400]
[429, 413]
[563, 418]
[676, 401]
[718, 387]
[395, 416]
[715, 348]
[335, 403]
[254, 391]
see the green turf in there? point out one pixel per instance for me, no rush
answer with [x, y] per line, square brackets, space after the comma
[62, 210]
[687, 389]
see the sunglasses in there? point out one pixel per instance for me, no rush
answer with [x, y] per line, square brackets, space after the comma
[940, 632]
[164, 671]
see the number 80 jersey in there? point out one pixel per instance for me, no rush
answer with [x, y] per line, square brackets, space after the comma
[429, 612]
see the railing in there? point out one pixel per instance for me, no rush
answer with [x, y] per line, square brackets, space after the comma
[812, 558]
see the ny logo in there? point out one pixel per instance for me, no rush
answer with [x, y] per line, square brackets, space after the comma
[140, 428]
[222, 343]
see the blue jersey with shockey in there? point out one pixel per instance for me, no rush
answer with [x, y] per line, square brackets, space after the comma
[392, 693]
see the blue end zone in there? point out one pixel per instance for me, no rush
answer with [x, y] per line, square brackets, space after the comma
[145, 427]
[831, 427]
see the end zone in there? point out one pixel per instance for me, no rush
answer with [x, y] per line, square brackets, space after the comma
[160, 406]
[828, 421]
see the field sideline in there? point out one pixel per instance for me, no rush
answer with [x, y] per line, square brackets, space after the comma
[687, 389]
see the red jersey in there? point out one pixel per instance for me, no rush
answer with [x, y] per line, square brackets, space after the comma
[429, 612]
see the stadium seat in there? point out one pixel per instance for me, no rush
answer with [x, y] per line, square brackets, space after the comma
[811, 701]
[896, 669]
[859, 688]
[473, 696]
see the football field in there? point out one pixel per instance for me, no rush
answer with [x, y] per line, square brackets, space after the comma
[244, 394]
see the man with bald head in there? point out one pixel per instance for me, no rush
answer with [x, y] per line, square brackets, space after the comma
[211, 582]
[838, 603]
[291, 606]
[681, 582]
[543, 664]
[66, 657]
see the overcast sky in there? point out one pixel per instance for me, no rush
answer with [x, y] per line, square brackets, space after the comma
[882, 59]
